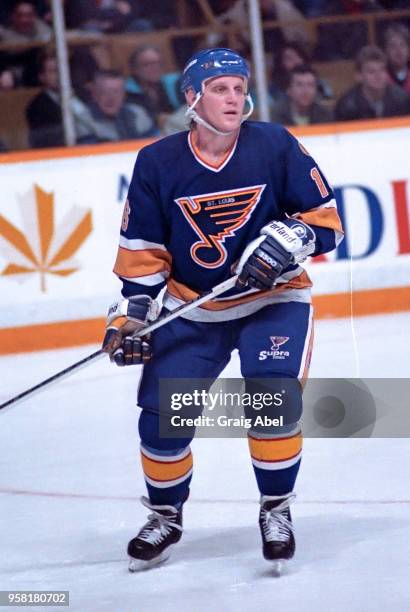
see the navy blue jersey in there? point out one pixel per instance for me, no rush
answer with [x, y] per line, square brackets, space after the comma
[186, 222]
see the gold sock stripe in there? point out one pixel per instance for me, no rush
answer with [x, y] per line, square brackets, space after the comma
[275, 449]
[169, 470]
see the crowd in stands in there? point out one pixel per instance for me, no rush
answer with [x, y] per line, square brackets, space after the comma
[109, 105]
[109, 16]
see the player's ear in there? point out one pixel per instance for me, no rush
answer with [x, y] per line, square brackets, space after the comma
[189, 96]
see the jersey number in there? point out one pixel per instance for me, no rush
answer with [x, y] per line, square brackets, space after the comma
[125, 217]
[315, 174]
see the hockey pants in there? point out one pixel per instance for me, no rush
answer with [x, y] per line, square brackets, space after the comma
[187, 349]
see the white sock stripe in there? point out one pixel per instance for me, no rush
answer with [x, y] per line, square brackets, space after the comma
[276, 465]
[164, 484]
[166, 458]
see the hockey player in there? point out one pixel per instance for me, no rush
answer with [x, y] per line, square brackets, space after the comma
[228, 195]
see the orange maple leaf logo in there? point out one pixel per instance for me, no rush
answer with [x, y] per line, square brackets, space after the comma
[41, 248]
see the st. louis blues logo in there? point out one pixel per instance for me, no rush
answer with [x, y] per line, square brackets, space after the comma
[275, 353]
[215, 217]
[277, 341]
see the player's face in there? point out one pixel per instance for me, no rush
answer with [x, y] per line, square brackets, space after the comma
[223, 102]
[374, 76]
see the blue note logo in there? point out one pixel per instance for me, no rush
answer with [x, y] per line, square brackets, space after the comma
[275, 352]
[216, 217]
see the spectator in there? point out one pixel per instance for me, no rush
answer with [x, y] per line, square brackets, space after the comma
[104, 16]
[373, 96]
[397, 48]
[149, 87]
[6, 6]
[43, 113]
[289, 56]
[83, 66]
[108, 117]
[24, 26]
[300, 106]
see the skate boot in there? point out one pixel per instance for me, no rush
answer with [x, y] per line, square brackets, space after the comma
[276, 527]
[154, 541]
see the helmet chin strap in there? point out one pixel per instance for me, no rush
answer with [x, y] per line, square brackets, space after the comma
[192, 115]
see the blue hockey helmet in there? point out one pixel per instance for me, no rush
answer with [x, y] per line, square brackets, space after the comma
[212, 63]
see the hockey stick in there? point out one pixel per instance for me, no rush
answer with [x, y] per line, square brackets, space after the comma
[209, 295]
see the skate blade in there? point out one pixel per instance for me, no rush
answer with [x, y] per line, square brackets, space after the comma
[279, 567]
[139, 565]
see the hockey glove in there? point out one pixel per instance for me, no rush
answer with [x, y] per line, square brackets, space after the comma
[280, 244]
[124, 319]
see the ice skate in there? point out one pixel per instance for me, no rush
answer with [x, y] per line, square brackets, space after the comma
[155, 540]
[276, 527]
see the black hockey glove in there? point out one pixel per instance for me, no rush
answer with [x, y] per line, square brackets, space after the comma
[124, 319]
[280, 244]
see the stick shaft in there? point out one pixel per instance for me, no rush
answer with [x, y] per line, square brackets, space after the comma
[221, 288]
[54, 378]
[178, 312]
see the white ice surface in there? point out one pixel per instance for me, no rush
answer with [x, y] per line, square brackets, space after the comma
[70, 480]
